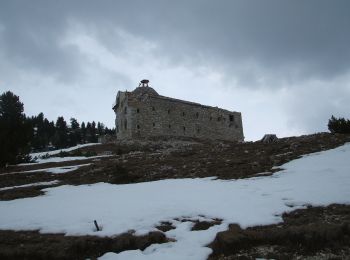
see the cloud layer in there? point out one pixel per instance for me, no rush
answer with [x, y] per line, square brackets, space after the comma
[284, 64]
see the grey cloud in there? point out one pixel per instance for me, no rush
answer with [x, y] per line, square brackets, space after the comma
[286, 39]
[31, 40]
[270, 43]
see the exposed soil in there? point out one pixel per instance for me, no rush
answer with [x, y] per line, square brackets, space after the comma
[203, 159]
[33, 245]
[312, 233]
[148, 161]
[204, 225]
[165, 226]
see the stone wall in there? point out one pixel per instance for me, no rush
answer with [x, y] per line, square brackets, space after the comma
[143, 116]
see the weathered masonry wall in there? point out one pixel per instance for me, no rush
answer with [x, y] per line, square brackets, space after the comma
[151, 115]
[122, 122]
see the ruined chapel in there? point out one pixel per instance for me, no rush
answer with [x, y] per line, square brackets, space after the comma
[143, 113]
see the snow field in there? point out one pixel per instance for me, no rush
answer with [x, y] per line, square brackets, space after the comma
[317, 179]
[40, 154]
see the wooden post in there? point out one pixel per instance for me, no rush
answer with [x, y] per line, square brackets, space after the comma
[97, 227]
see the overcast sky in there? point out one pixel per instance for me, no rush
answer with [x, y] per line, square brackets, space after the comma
[284, 64]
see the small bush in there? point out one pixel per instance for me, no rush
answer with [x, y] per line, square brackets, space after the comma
[25, 158]
[77, 153]
[63, 154]
[122, 176]
[339, 125]
[90, 153]
[45, 156]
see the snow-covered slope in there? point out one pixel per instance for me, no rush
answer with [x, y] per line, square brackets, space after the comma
[317, 179]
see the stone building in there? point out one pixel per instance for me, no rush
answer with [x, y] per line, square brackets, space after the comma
[143, 113]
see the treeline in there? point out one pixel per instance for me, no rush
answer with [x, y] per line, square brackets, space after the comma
[339, 125]
[45, 133]
[20, 134]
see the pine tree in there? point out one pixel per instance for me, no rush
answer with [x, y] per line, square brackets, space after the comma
[14, 130]
[83, 133]
[39, 138]
[88, 135]
[109, 131]
[60, 139]
[93, 132]
[74, 133]
[51, 129]
[339, 125]
[100, 129]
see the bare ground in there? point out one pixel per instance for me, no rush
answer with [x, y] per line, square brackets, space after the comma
[33, 245]
[312, 233]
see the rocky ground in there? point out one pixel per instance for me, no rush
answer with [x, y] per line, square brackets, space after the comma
[312, 233]
[132, 162]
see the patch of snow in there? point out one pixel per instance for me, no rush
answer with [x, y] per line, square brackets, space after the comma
[54, 159]
[54, 170]
[263, 173]
[44, 183]
[65, 169]
[63, 159]
[40, 154]
[188, 245]
[316, 179]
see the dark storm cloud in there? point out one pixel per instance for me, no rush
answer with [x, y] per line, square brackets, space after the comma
[292, 40]
[30, 39]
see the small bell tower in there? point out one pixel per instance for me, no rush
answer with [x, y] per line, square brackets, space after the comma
[144, 83]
